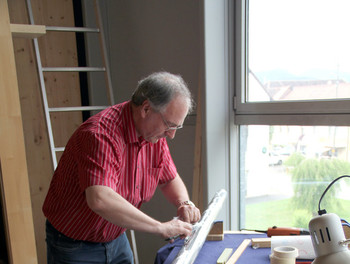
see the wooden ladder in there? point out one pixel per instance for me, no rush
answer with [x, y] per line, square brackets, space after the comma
[105, 69]
[42, 70]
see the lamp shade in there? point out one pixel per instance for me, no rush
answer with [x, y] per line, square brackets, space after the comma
[326, 234]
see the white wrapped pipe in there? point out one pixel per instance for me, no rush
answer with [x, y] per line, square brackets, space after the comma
[195, 241]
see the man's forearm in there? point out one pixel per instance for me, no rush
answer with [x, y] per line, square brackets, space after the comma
[175, 191]
[115, 209]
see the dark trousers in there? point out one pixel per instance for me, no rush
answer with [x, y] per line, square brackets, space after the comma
[64, 250]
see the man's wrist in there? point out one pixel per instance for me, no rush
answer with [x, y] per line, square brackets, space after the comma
[187, 202]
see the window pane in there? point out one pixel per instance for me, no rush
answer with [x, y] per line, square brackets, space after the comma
[285, 169]
[298, 50]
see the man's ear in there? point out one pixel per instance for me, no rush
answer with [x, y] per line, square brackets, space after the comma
[145, 108]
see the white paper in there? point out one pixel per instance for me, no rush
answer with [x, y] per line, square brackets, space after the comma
[302, 243]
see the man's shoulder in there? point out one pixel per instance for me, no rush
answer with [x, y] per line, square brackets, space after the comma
[114, 115]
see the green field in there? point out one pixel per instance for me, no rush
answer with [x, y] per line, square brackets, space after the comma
[260, 216]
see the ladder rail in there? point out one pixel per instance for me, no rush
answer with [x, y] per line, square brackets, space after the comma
[43, 90]
[104, 53]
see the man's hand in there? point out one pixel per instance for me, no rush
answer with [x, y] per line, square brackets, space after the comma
[175, 228]
[188, 213]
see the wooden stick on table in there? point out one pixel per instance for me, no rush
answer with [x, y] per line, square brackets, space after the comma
[261, 242]
[235, 256]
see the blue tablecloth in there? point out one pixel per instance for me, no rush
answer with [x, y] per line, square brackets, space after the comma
[212, 250]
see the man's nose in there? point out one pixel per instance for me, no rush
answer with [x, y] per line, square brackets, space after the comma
[170, 133]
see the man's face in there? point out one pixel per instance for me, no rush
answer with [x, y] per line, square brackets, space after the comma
[159, 125]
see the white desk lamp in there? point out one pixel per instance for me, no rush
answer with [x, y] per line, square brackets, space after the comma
[327, 235]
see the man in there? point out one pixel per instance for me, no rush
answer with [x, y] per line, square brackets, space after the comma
[111, 165]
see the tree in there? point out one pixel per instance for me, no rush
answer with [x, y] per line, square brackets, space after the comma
[310, 178]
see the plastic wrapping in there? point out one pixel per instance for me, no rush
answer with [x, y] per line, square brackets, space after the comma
[195, 241]
[302, 243]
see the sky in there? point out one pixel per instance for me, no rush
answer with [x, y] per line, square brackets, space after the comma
[299, 35]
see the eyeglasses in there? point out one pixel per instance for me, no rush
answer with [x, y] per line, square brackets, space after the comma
[167, 125]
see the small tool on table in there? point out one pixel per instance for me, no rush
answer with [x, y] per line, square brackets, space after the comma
[284, 231]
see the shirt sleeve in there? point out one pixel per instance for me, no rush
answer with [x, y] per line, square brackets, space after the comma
[97, 161]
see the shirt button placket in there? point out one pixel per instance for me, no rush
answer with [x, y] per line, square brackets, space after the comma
[138, 173]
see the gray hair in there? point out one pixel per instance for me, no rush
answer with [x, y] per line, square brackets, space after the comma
[159, 89]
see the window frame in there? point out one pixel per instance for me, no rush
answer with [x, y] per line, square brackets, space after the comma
[307, 112]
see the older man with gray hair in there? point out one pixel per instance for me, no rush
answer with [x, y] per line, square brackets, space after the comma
[111, 165]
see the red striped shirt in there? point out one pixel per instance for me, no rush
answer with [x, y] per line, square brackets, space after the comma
[105, 150]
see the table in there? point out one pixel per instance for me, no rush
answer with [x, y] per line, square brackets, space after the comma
[212, 250]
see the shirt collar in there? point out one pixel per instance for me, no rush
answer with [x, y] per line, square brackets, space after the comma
[130, 132]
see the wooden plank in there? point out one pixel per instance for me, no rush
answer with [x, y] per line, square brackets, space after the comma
[27, 31]
[224, 256]
[14, 175]
[39, 163]
[197, 187]
[215, 237]
[217, 228]
[198, 181]
[217, 232]
[239, 251]
[261, 242]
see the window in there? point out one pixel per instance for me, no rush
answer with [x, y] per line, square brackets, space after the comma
[285, 169]
[298, 50]
[292, 107]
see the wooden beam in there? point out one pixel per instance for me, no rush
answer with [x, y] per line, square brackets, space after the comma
[197, 186]
[27, 31]
[14, 175]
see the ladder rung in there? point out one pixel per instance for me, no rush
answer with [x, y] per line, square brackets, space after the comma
[76, 108]
[59, 149]
[74, 69]
[73, 29]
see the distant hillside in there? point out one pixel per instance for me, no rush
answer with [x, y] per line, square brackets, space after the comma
[280, 75]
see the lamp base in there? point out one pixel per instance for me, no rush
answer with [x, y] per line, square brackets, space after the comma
[342, 257]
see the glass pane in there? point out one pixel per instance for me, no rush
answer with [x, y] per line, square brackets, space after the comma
[298, 50]
[284, 171]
